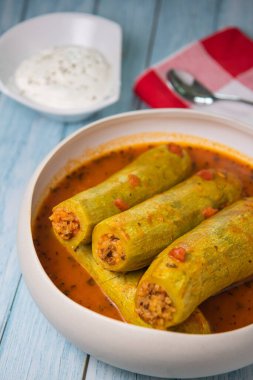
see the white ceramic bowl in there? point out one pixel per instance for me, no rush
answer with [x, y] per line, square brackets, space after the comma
[58, 29]
[137, 349]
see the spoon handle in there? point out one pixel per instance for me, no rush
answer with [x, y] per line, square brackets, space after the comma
[233, 98]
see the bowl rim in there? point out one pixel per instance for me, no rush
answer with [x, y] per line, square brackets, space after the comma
[35, 177]
[243, 126]
[78, 111]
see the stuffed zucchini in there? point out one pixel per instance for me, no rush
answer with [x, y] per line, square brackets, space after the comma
[152, 172]
[129, 240]
[121, 288]
[213, 256]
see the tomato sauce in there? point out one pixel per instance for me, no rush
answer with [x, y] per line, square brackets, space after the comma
[227, 311]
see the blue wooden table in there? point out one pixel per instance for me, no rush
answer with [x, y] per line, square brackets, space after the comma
[30, 348]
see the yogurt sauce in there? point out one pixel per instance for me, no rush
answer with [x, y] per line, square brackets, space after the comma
[65, 77]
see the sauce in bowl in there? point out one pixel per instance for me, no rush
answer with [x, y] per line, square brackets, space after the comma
[226, 311]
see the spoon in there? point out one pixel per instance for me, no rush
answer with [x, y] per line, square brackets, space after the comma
[191, 89]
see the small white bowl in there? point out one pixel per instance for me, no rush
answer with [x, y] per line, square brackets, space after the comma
[59, 29]
[137, 349]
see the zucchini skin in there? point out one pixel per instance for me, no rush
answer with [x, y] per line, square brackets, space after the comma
[152, 172]
[217, 254]
[121, 288]
[142, 232]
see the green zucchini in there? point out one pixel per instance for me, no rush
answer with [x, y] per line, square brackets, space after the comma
[152, 172]
[121, 288]
[211, 257]
[131, 239]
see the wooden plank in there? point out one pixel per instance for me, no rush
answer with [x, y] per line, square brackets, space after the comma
[11, 12]
[20, 131]
[38, 7]
[100, 371]
[237, 13]
[181, 22]
[136, 21]
[26, 354]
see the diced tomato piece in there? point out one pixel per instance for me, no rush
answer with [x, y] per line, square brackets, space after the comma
[209, 211]
[205, 174]
[120, 204]
[178, 253]
[134, 180]
[174, 148]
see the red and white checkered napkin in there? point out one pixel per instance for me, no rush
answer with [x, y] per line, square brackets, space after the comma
[222, 61]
